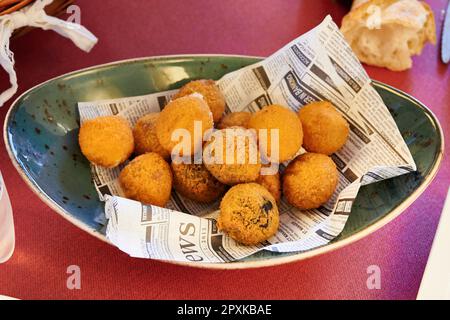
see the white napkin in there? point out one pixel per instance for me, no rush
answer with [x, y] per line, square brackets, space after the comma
[34, 15]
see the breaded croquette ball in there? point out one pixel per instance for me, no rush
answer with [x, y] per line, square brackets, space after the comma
[325, 129]
[272, 184]
[196, 183]
[235, 119]
[208, 89]
[147, 179]
[310, 180]
[183, 113]
[145, 138]
[289, 132]
[248, 214]
[232, 156]
[106, 141]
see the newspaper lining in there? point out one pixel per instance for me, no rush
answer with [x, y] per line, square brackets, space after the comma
[318, 65]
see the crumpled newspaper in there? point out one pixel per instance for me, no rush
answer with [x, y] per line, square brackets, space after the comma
[34, 15]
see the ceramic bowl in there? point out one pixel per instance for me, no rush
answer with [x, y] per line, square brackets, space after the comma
[41, 132]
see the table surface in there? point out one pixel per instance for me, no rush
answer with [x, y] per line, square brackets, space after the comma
[46, 244]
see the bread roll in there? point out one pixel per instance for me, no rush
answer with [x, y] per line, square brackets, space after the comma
[386, 33]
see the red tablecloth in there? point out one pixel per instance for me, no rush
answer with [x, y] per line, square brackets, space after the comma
[47, 244]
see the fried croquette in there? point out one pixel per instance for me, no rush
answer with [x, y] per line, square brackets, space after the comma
[106, 141]
[272, 184]
[147, 179]
[196, 183]
[290, 133]
[248, 214]
[208, 89]
[232, 156]
[145, 137]
[179, 117]
[325, 129]
[310, 180]
[235, 119]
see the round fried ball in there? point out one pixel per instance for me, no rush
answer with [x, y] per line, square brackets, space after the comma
[208, 89]
[325, 129]
[289, 128]
[232, 156]
[106, 141]
[147, 179]
[235, 119]
[248, 214]
[181, 116]
[272, 184]
[196, 183]
[145, 137]
[310, 180]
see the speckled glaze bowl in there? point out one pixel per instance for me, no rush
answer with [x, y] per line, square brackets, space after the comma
[41, 132]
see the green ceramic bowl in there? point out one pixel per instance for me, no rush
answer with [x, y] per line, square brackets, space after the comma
[41, 132]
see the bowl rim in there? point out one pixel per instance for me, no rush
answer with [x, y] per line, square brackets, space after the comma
[275, 261]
